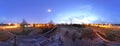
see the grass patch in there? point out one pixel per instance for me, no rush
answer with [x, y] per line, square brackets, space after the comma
[3, 36]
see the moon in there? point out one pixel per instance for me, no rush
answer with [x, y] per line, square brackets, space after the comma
[49, 10]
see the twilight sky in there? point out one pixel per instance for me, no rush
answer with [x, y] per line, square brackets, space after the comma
[60, 11]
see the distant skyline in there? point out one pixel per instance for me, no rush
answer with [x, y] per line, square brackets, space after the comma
[60, 11]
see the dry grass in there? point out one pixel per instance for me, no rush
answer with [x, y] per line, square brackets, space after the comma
[72, 36]
[112, 34]
[3, 36]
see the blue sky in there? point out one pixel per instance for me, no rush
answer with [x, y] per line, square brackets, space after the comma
[80, 11]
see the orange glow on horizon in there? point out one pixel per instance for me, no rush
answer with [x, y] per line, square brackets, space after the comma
[101, 25]
[8, 27]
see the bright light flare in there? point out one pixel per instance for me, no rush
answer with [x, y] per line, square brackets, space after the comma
[9, 24]
[49, 10]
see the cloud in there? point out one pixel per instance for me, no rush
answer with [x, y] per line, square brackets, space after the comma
[81, 14]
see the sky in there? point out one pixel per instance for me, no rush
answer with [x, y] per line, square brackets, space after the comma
[60, 11]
